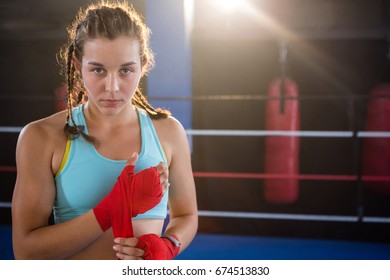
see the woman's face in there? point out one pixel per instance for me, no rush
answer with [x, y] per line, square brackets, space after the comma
[111, 70]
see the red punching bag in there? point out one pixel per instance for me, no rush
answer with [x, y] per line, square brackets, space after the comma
[376, 151]
[282, 152]
[61, 95]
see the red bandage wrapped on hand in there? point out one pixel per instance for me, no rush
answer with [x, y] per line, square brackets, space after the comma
[158, 248]
[131, 195]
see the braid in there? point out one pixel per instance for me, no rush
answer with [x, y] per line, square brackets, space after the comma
[69, 130]
[73, 131]
[140, 101]
[80, 97]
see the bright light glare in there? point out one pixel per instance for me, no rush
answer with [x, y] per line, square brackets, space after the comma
[229, 6]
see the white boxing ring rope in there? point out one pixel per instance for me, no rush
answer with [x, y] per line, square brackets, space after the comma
[5, 204]
[297, 217]
[222, 132]
[251, 133]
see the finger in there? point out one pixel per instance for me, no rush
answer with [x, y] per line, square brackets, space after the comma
[164, 179]
[125, 248]
[121, 256]
[133, 159]
[128, 251]
[131, 242]
[161, 168]
[165, 188]
[164, 182]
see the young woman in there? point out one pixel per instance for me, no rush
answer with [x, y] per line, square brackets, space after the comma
[68, 163]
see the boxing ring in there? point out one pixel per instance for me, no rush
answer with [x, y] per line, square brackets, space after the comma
[227, 246]
[233, 247]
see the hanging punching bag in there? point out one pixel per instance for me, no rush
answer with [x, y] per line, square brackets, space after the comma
[282, 152]
[376, 151]
[60, 98]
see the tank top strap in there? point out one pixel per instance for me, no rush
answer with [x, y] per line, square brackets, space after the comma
[78, 116]
[149, 135]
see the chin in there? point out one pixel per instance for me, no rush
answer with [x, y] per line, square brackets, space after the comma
[111, 111]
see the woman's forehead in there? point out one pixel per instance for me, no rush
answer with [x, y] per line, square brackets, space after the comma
[122, 49]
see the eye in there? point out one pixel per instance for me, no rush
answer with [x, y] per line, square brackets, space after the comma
[98, 71]
[126, 71]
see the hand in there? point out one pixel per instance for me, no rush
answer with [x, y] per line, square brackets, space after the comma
[131, 195]
[164, 176]
[145, 247]
[125, 249]
[157, 248]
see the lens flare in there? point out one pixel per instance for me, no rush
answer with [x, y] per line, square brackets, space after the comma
[229, 6]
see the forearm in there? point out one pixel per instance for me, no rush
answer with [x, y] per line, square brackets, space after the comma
[184, 227]
[58, 241]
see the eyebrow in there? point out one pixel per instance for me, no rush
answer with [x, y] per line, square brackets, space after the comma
[101, 65]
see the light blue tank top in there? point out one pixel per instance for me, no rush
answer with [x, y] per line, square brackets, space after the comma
[86, 177]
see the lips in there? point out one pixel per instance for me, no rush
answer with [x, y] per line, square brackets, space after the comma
[111, 102]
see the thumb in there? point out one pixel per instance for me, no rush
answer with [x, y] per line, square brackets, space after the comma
[133, 159]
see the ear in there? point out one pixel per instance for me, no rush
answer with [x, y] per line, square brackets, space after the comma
[144, 66]
[77, 64]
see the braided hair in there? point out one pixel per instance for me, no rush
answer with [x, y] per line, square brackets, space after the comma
[110, 20]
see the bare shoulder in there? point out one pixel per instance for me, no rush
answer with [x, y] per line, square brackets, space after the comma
[169, 127]
[172, 136]
[46, 131]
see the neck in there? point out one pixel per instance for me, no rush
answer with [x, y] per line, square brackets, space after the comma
[95, 118]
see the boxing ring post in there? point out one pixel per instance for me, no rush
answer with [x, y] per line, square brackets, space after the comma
[171, 24]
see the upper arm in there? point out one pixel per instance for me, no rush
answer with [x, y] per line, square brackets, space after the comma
[34, 189]
[182, 195]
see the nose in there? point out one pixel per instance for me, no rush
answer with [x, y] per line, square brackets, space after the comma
[112, 83]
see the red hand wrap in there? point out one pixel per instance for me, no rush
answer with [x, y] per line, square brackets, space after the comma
[157, 248]
[131, 195]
